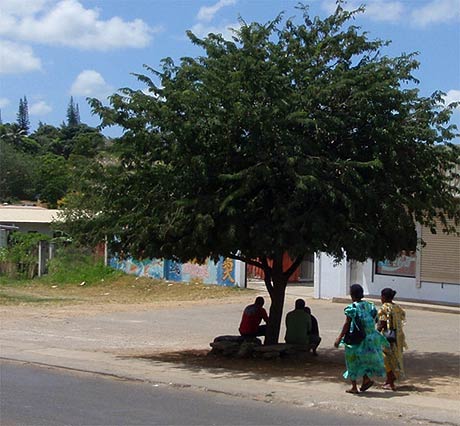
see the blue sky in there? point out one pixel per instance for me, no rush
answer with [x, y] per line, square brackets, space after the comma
[53, 49]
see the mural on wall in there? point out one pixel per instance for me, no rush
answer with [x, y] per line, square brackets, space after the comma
[404, 265]
[151, 268]
[222, 273]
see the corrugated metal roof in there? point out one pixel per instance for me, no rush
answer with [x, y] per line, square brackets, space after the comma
[27, 214]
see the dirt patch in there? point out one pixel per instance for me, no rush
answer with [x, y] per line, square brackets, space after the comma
[126, 290]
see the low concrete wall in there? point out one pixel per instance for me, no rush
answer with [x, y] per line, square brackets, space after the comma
[226, 272]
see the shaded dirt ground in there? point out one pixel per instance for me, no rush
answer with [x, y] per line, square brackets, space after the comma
[427, 373]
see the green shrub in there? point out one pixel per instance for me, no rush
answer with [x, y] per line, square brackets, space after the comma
[20, 258]
[73, 265]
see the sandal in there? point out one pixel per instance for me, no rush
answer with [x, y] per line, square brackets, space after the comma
[366, 386]
[388, 386]
[353, 391]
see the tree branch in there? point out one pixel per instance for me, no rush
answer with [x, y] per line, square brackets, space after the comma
[294, 265]
[267, 276]
[246, 259]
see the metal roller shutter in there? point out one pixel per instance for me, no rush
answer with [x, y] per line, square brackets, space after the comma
[440, 258]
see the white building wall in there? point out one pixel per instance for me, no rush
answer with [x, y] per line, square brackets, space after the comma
[329, 280]
[334, 280]
[240, 274]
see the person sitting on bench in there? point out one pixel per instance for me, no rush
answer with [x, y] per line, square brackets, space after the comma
[315, 340]
[252, 317]
[298, 325]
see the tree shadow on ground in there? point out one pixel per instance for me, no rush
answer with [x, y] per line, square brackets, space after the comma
[426, 372]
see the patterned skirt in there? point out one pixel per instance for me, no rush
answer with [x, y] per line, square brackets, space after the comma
[365, 358]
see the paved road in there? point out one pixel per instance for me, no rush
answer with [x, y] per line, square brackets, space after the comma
[32, 395]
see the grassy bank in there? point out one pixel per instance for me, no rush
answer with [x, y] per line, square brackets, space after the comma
[76, 278]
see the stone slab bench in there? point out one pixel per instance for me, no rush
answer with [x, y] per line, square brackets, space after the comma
[244, 347]
[234, 346]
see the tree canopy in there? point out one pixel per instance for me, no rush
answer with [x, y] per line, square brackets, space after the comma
[290, 137]
[45, 165]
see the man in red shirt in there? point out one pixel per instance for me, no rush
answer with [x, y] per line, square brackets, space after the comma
[252, 316]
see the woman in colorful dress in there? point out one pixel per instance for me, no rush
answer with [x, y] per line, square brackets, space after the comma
[392, 317]
[366, 358]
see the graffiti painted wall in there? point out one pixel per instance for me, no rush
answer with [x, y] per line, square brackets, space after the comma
[224, 273]
[142, 268]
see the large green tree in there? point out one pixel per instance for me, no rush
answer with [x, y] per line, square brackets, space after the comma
[291, 137]
[54, 178]
[17, 174]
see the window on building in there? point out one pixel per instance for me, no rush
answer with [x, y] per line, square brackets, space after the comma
[404, 265]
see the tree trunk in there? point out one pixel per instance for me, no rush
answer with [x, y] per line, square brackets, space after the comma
[276, 283]
[276, 311]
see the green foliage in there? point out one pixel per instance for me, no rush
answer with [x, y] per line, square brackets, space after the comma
[47, 137]
[16, 137]
[53, 178]
[18, 175]
[23, 116]
[298, 137]
[22, 253]
[87, 143]
[77, 139]
[23, 246]
[74, 265]
[48, 163]
[73, 114]
[291, 137]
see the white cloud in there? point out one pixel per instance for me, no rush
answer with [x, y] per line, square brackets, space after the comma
[202, 30]
[4, 102]
[68, 23]
[376, 10]
[90, 83]
[17, 58]
[437, 11]
[452, 96]
[390, 11]
[206, 13]
[22, 7]
[39, 108]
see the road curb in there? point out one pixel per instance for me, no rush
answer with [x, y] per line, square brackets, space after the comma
[407, 305]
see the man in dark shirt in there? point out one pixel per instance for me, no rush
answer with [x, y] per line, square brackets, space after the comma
[298, 325]
[315, 340]
[252, 317]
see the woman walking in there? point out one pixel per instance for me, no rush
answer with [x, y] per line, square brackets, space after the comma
[363, 359]
[391, 318]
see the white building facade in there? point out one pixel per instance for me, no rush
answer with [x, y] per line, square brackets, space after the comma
[431, 274]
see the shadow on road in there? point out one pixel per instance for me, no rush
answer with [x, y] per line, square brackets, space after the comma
[426, 372]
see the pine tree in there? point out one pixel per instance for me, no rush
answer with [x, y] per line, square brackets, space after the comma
[23, 116]
[73, 114]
